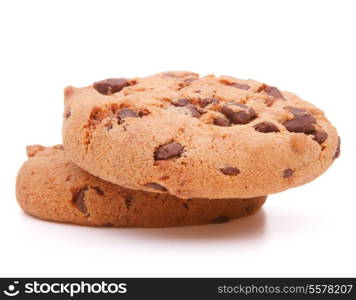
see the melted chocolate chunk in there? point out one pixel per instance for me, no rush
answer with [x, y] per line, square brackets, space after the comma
[128, 201]
[266, 127]
[241, 86]
[338, 148]
[243, 116]
[272, 91]
[250, 208]
[295, 110]
[78, 199]
[127, 113]
[231, 171]
[67, 114]
[181, 102]
[222, 122]
[287, 173]
[111, 85]
[206, 101]
[156, 186]
[194, 111]
[219, 220]
[320, 136]
[304, 123]
[98, 190]
[167, 151]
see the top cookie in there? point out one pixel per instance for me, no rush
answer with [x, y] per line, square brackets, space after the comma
[211, 137]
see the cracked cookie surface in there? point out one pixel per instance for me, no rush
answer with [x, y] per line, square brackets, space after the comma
[50, 187]
[197, 137]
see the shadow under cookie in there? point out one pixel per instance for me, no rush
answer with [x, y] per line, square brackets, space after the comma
[50, 187]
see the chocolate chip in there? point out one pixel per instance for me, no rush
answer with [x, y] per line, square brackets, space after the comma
[235, 84]
[189, 80]
[202, 110]
[206, 101]
[241, 117]
[287, 173]
[156, 186]
[127, 113]
[78, 199]
[181, 102]
[167, 151]
[219, 220]
[320, 136]
[128, 201]
[337, 152]
[230, 171]
[304, 123]
[272, 91]
[67, 114]
[241, 86]
[294, 110]
[222, 122]
[266, 127]
[250, 208]
[111, 85]
[98, 190]
[194, 111]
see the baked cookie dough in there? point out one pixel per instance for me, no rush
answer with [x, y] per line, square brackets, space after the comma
[197, 137]
[50, 187]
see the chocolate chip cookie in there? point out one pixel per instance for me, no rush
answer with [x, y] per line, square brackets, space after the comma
[197, 137]
[50, 187]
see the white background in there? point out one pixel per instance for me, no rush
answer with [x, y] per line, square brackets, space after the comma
[307, 47]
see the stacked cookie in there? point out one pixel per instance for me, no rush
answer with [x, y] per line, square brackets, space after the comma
[174, 149]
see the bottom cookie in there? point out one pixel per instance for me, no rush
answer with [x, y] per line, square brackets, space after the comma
[50, 187]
